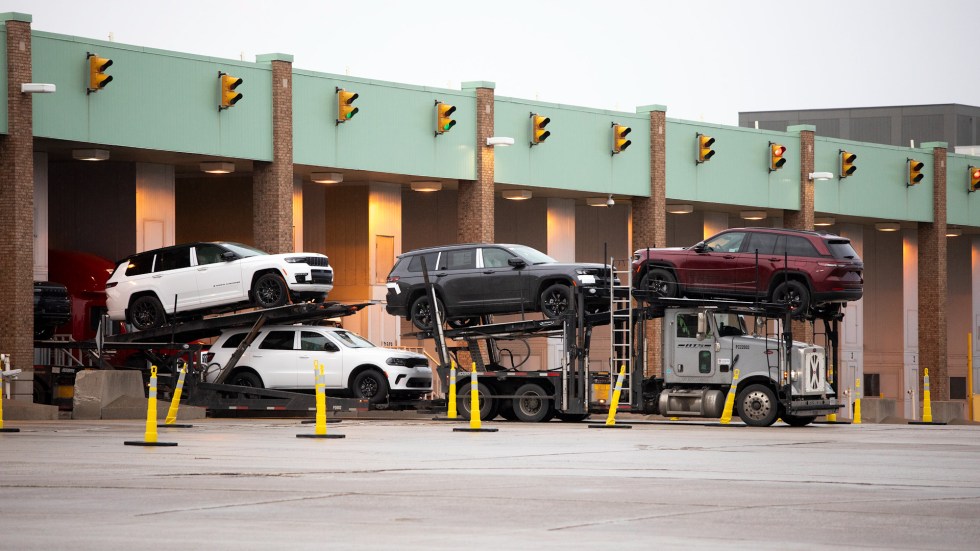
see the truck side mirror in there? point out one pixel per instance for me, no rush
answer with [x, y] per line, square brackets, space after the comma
[702, 326]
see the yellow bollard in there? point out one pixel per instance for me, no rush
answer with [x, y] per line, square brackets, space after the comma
[150, 437]
[614, 403]
[171, 421]
[926, 398]
[726, 414]
[475, 425]
[474, 400]
[857, 402]
[451, 411]
[320, 428]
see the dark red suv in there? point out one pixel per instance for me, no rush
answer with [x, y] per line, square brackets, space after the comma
[804, 268]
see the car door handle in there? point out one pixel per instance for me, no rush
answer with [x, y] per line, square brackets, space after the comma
[202, 269]
[728, 256]
[775, 259]
[304, 357]
[488, 272]
[157, 276]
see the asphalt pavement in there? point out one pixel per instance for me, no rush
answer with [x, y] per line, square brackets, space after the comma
[413, 483]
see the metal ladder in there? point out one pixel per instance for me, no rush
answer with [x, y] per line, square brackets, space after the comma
[621, 315]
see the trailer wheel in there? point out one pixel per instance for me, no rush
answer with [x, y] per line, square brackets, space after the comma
[488, 405]
[757, 406]
[371, 386]
[555, 300]
[798, 420]
[270, 291]
[146, 312]
[531, 404]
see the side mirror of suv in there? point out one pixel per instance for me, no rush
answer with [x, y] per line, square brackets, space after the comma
[699, 247]
[228, 256]
[516, 262]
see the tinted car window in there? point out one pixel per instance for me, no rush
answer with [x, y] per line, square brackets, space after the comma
[416, 263]
[278, 340]
[234, 340]
[765, 243]
[459, 259]
[208, 253]
[173, 259]
[841, 249]
[309, 340]
[496, 258]
[799, 246]
[140, 264]
[725, 243]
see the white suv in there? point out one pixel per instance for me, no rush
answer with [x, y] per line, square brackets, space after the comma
[148, 286]
[283, 356]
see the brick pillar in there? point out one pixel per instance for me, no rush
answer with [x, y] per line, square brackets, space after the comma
[650, 221]
[17, 202]
[474, 211]
[932, 282]
[803, 219]
[272, 183]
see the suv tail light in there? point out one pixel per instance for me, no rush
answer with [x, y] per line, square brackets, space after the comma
[392, 278]
[206, 357]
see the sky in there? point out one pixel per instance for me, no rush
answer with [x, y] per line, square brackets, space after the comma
[705, 60]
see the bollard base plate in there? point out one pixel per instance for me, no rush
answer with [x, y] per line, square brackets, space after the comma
[313, 421]
[9, 430]
[926, 423]
[174, 426]
[474, 430]
[610, 426]
[321, 436]
[149, 444]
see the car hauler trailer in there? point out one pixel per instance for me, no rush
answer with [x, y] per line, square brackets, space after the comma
[704, 342]
[169, 346]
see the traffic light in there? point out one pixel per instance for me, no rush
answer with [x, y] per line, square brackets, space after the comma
[974, 178]
[847, 163]
[345, 105]
[776, 159]
[620, 143]
[914, 175]
[97, 79]
[229, 96]
[704, 147]
[443, 120]
[538, 133]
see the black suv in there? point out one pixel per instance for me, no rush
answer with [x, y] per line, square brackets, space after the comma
[483, 278]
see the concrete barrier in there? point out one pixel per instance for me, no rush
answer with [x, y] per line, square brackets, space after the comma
[108, 394]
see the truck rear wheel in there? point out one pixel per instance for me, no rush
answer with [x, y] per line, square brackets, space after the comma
[757, 406]
[531, 404]
[488, 405]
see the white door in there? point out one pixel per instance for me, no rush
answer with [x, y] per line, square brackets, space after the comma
[275, 359]
[219, 281]
[317, 349]
[175, 280]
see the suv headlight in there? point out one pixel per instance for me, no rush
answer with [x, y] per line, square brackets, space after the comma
[397, 361]
[295, 259]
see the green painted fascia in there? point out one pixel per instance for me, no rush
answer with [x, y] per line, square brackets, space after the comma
[15, 16]
[157, 100]
[393, 131]
[962, 206]
[738, 173]
[577, 156]
[878, 188]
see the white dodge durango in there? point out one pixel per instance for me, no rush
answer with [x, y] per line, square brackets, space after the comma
[147, 287]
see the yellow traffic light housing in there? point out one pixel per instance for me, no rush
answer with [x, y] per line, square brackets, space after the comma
[443, 120]
[705, 152]
[97, 79]
[229, 97]
[914, 173]
[847, 167]
[776, 159]
[538, 133]
[345, 105]
[620, 143]
[974, 178]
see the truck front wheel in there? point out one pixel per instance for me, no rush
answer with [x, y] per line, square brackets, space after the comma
[757, 406]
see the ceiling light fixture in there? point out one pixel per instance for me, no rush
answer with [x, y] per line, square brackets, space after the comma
[888, 226]
[953, 232]
[824, 221]
[426, 186]
[326, 177]
[516, 194]
[598, 201]
[680, 209]
[502, 141]
[217, 167]
[90, 154]
[821, 175]
[752, 214]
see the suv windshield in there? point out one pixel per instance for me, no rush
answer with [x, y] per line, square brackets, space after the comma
[533, 256]
[352, 340]
[243, 251]
[841, 249]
